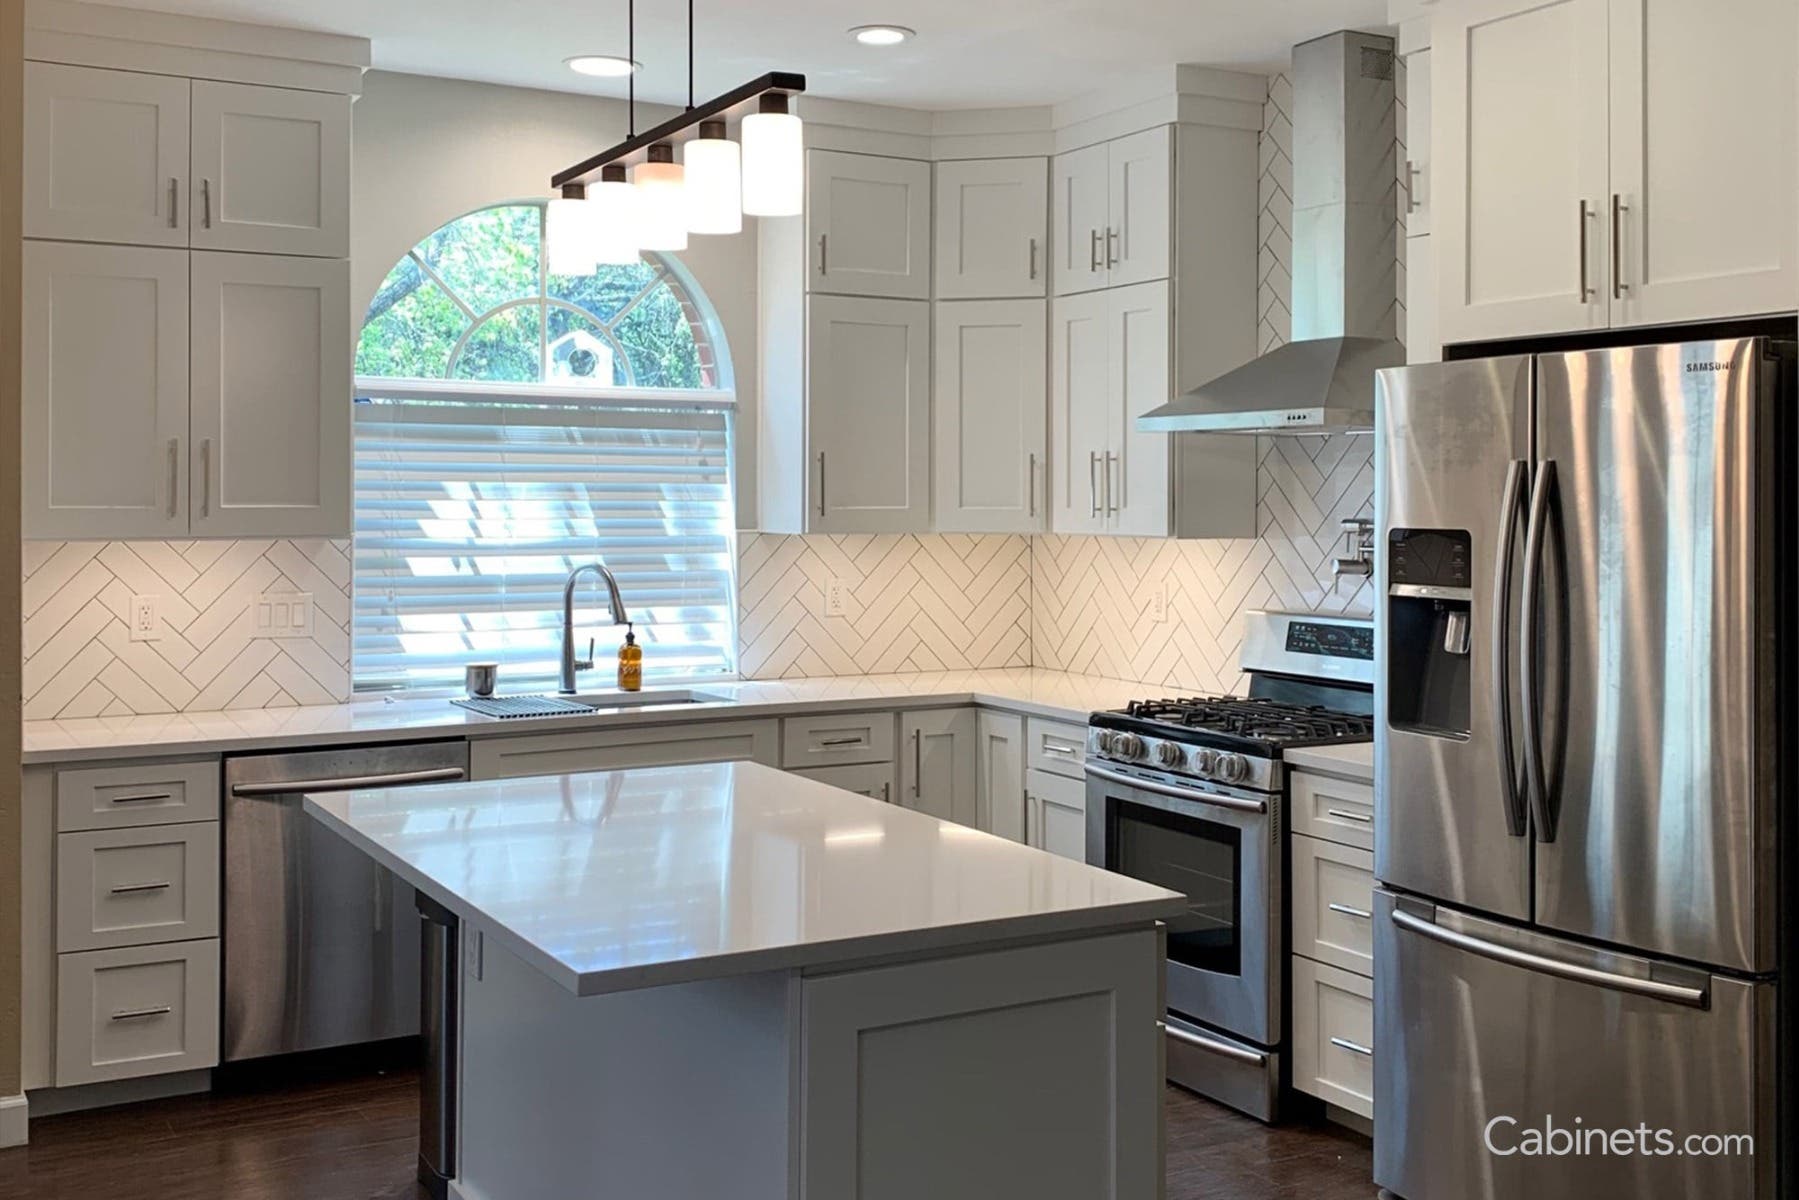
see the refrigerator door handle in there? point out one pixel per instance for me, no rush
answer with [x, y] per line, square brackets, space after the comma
[1653, 989]
[1530, 619]
[1510, 789]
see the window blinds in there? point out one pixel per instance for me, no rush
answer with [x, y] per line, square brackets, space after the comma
[473, 503]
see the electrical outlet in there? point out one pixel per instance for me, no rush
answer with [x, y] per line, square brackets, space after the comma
[284, 615]
[1158, 603]
[836, 593]
[143, 619]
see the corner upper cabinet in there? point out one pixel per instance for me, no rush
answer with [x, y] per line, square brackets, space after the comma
[106, 156]
[271, 170]
[1113, 212]
[868, 415]
[1080, 199]
[104, 421]
[868, 223]
[271, 394]
[989, 450]
[992, 229]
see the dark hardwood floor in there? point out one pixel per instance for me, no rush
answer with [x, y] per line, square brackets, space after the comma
[353, 1139]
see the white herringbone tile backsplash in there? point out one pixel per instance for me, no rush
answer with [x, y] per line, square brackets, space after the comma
[80, 661]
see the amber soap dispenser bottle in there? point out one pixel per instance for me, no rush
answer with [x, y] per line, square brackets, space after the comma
[630, 663]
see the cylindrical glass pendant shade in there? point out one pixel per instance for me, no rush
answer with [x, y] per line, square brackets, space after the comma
[617, 219]
[714, 182]
[662, 195]
[774, 162]
[569, 235]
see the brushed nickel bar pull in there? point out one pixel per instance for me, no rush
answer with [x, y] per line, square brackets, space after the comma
[1363, 818]
[821, 483]
[824, 249]
[174, 203]
[125, 889]
[205, 476]
[206, 203]
[917, 762]
[1412, 173]
[1111, 501]
[1064, 751]
[1033, 258]
[1093, 253]
[140, 798]
[1093, 479]
[1113, 237]
[1619, 208]
[174, 474]
[1352, 1047]
[1030, 482]
[1359, 913]
[886, 792]
[842, 741]
[1586, 290]
[132, 1014]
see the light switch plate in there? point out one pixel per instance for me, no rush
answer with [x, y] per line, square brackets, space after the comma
[284, 615]
[1158, 603]
[835, 592]
[143, 619]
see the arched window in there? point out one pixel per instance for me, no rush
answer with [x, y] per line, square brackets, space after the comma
[512, 424]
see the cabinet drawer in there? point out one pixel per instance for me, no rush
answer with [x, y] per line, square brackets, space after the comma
[1056, 747]
[836, 739]
[128, 887]
[142, 794]
[1333, 904]
[1337, 810]
[1333, 1036]
[146, 1010]
[618, 749]
[874, 780]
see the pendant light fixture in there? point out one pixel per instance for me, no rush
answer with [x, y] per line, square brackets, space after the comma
[568, 235]
[615, 215]
[719, 182]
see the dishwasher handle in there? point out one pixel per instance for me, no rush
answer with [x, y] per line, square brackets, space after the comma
[350, 783]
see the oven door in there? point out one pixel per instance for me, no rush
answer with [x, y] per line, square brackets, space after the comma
[1216, 846]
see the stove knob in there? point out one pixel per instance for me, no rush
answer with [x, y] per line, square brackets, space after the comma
[1127, 745]
[1171, 755]
[1232, 768]
[1102, 741]
[1205, 761]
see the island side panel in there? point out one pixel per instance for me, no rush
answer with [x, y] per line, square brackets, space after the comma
[1026, 1072]
[675, 1091]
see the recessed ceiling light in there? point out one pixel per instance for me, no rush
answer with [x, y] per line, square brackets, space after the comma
[606, 66]
[882, 35]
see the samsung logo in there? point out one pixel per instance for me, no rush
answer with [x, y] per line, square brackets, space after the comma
[1707, 366]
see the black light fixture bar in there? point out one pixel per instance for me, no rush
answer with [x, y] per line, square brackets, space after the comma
[732, 106]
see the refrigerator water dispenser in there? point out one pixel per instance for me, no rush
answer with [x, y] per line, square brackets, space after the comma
[1428, 606]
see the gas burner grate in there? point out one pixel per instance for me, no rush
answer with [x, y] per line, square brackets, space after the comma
[1263, 720]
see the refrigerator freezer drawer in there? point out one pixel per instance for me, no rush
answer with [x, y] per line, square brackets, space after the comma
[1491, 1035]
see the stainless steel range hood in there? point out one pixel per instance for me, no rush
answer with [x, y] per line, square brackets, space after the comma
[1344, 260]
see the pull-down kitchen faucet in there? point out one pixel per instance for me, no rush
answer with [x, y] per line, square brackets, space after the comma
[566, 682]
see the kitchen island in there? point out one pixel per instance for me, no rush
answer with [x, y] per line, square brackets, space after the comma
[721, 980]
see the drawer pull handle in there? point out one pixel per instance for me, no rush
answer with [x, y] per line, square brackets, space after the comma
[141, 798]
[127, 888]
[1361, 818]
[1347, 911]
[833, 743]
[1352, 1047]
[1064, 751]
[132, 1014]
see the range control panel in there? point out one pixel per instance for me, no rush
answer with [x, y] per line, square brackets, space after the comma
[1429, 558]
[1330, 641]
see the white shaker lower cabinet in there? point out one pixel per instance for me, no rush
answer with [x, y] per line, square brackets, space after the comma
[271, 170]
[1333, 1036]
[272, 389]
[1056, 814]
[868, 415]
[868, 220]
[989, 444]
[937, 764]
[992, 228]
[139, 1010]
[874, 780]
[1000, 762]
[105, 420]
[904, 1069]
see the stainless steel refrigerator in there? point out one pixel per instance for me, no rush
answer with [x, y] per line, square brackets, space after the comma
[1585, 641]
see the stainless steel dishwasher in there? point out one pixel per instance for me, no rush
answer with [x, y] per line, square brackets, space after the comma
[321, 945]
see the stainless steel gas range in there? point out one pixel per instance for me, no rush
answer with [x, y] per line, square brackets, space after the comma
[1191, 795]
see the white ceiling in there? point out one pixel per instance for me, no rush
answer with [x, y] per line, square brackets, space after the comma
[968, 53]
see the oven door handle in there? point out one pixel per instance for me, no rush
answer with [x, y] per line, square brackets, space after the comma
[1162, 789]
[1213, 1046]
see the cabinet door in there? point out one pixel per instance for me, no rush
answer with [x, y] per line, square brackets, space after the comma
[992, 228]
[106, 389]
[868, 404]
[105, 155]
[870, 224]
[1079, 200]
[1415, 186]
[1518, 138]
[271, 396]
[1056, 814]
[1139, 187]
[1000, 764]
[937, 764]
[1695, 240]
[1135, 487]
[988, 412]
[271, 170]
[874, 780]
[1080, 409]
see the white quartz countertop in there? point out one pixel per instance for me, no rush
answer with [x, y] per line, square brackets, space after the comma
[1032, 692]
[614, 880]
[1354, 761]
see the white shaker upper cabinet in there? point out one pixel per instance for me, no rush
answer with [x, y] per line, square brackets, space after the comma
[1080, 410]
[992, 228]
[1518, 144]
[1701, 221]
[271, 396]
[1136, 483]
[1416, 184]
[271, 170]
[1140, 184]
[1079, 204]
[106, 384]
[868, 400]
[989, 459]
[868, 221]
[105, 156]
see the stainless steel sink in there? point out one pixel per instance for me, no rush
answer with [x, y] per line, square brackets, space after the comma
[512, 708]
